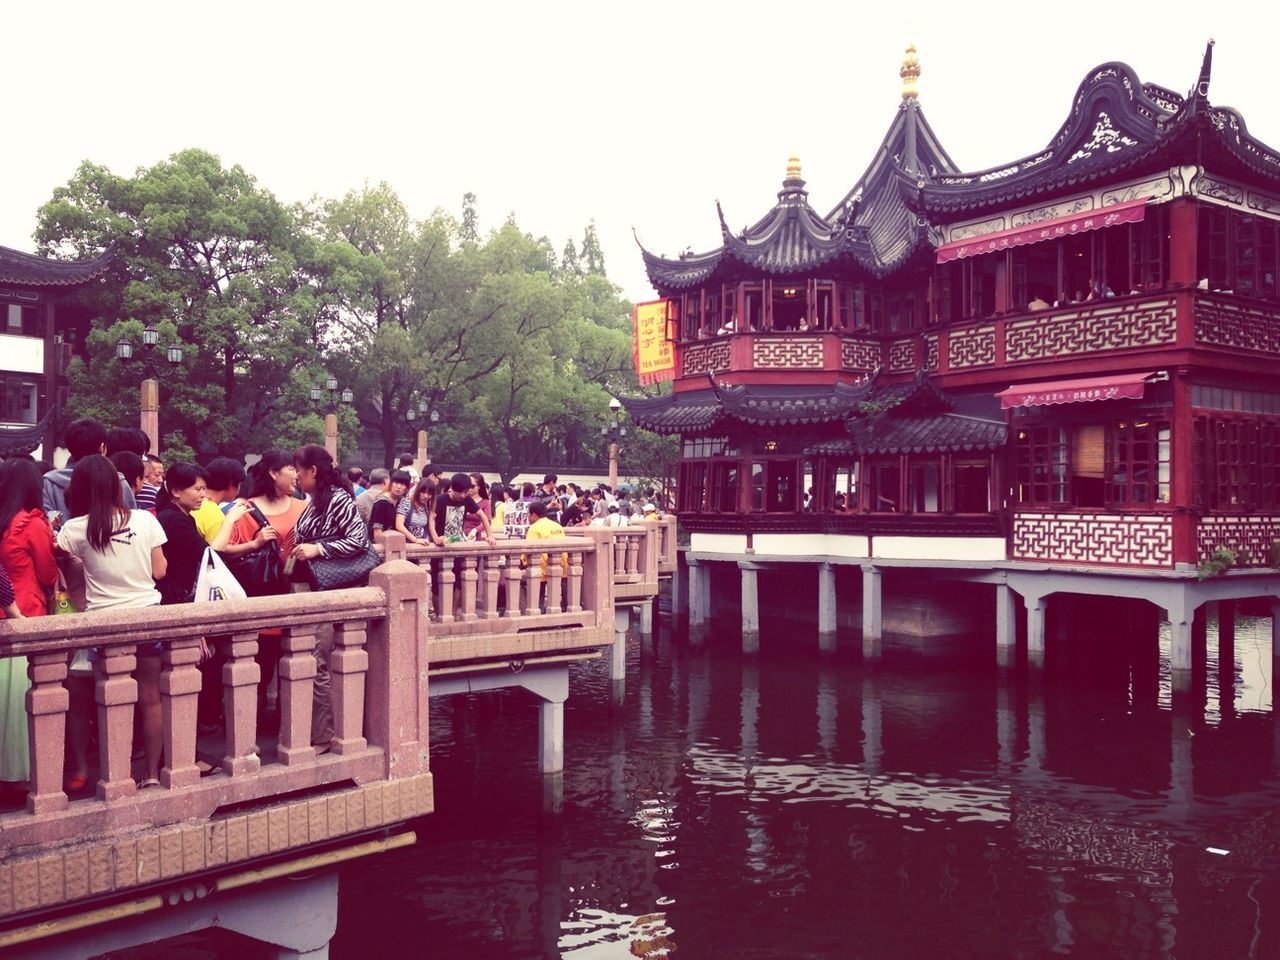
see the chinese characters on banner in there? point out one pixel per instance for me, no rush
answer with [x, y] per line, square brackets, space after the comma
[654, 351]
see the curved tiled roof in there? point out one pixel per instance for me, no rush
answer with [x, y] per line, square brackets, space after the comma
[1118, 126]
[700, 410]
[20, 439]
[28, 270]
[790, 239]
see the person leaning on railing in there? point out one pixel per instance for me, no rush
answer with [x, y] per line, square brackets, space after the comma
[330, 533]
[26, 558]
[123, 555]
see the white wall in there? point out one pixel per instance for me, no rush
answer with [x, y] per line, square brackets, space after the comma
[21, 354]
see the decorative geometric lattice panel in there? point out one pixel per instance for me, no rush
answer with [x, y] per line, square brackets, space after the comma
[931, 353]
[706, 357]
[1253, 534]
[1243, 326]
[1088, 330]
[859, 354]
[1133, 541]
[902, 356]
[971, 347]
[787, 353]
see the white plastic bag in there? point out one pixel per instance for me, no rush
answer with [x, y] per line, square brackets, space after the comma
[216, 582]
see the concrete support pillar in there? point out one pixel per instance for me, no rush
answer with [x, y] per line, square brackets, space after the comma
[646, 618]
[551, 736]
[1037, 608]
[680, 590]
[1006, 626]
[826, 607]
[699, 595]
[1181, 649]
[750, 607]
[618, 652]
[872, 597]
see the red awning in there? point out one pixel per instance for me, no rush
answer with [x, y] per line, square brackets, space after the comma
[1121, 386]
[1132, 212]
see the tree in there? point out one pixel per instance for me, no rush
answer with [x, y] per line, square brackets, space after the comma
[570, 265]
[470, 230]
[592, 255]
[217, 264]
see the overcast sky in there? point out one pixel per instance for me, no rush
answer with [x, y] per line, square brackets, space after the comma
[639, 115]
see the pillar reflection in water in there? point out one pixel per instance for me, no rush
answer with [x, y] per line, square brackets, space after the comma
[872, 731]
[828, 709]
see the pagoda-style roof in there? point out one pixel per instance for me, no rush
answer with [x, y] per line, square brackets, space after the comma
[790, 239]
[28, 270]
[871, 231]
[1118, 127]
[697, 411]
[875, 203]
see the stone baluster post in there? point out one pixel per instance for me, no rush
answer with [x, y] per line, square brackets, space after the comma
[179, 693]
[297, 673]
[470, 581]
[116, 693]
[397, 671]
[240, 676]
[47, 703]
[348, 664]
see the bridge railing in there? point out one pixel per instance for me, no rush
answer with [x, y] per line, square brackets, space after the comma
[635, 558]
[668, 550]
[518, 597]
[59, 850]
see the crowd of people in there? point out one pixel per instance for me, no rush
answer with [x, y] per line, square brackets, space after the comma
[116, 528]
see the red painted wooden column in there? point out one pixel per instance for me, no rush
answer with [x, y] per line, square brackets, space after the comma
[1182, 478]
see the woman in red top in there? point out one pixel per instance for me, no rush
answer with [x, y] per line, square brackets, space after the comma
[26, 552]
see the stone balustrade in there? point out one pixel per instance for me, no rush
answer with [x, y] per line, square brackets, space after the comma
[668, 549]
[636, 549]
[518, 598]
[260, 801]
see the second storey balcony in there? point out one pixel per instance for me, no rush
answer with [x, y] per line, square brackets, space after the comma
[1225, 326]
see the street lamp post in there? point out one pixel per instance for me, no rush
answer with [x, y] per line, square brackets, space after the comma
[149, 389]
[331, 412]
[615, 434]
[420, 418]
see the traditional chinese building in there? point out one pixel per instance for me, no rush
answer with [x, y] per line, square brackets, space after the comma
[42, 322]
[1058, 374]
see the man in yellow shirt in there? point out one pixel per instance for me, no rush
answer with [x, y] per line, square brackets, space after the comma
[225, 477]
[543, 527]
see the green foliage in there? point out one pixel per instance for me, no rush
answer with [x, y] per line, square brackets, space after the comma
[518, 349]
[1217, 563]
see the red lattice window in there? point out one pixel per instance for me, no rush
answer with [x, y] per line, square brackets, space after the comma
[1138, 463]
[1041, 465]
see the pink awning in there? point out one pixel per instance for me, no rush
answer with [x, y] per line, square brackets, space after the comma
[1121, 386]
[1131, 212]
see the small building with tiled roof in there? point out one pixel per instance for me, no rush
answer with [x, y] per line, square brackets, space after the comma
[42, 319]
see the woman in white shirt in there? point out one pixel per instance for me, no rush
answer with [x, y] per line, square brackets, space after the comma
[122, 556]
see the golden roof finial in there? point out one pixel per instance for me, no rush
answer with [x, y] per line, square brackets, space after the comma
[910, 74]
[793, 167]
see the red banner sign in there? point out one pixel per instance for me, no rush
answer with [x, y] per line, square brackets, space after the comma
[1132, 212]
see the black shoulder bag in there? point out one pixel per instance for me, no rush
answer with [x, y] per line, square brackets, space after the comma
[260, 571]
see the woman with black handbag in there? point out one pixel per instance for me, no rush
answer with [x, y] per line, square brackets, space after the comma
[333, 552]
[254, 541]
